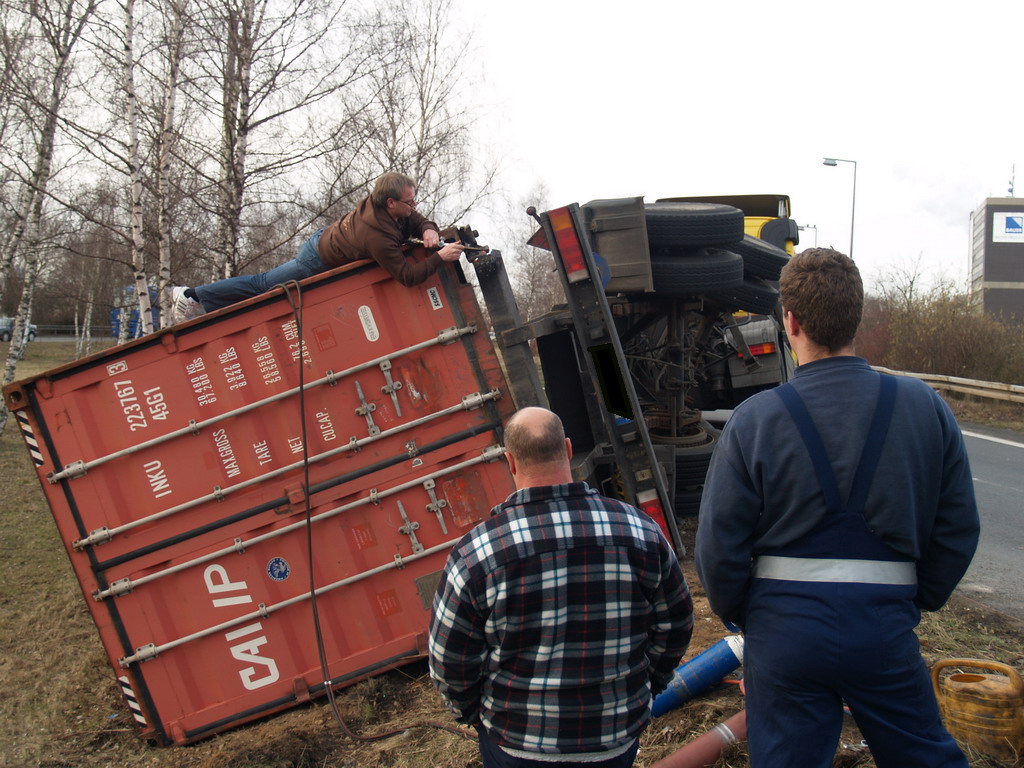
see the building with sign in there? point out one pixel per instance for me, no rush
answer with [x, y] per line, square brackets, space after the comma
[997, 257]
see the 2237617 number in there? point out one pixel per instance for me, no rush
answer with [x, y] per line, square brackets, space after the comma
[136, 416]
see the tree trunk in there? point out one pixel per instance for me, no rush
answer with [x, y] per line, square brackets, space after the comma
[165, 153]
[135, 174]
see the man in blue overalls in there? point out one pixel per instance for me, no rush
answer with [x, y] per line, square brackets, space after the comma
[836, 508]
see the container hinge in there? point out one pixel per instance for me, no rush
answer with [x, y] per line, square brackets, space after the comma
[448, 335]
[99, 536]
[72, 470]
[353, 444]
[411, 449]
[399, 562]
[436, 505]
[477, 399]
[239, 545]
[143, 653]
[392, 386]
[193, 426]
[262, 610]
[332, 378]
[493, 452]
[409, 529]
[218, 493]
[366, 410]
[375, 496]
[119, 587]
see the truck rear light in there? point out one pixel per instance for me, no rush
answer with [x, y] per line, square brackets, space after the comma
[651, 504]
[768, 348]
[569, 248]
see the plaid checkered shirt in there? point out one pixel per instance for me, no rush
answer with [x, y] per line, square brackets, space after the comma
[556, 621]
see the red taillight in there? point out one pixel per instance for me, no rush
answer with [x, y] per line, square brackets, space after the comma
[568, 245]
[651, 504]
[767, 348]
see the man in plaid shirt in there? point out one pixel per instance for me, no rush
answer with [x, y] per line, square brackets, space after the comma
[560, 617]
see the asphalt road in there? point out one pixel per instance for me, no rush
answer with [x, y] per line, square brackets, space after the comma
[996, 576]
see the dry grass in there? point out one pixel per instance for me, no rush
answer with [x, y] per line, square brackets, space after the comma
[989, 413]
[62, 709]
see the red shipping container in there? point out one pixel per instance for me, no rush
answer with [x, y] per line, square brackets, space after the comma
[176, 468]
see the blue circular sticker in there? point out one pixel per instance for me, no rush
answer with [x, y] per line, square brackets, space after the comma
[278, 569]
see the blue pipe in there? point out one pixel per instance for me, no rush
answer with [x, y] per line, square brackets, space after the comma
[700, 673]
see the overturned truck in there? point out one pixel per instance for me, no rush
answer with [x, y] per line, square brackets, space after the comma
[258, 503]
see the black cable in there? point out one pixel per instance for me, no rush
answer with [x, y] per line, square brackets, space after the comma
[296, 305]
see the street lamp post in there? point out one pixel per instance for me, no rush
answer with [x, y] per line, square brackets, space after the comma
[833, 161]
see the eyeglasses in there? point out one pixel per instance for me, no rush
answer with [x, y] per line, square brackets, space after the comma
[410, 203]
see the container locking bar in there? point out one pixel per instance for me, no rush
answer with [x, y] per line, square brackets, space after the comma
[104, 534]
[80, 467]
[152, 650]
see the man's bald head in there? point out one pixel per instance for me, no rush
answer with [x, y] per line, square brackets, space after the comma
[535, 436]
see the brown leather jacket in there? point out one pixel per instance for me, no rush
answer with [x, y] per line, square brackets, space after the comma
[369, 232]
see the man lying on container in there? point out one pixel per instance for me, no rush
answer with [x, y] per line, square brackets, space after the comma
[559, 617]
[377, 229]
[836, 508]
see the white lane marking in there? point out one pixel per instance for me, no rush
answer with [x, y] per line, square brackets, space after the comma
[1001, 440]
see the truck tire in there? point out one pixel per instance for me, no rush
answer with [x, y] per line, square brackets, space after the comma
[687, 503]
[692, 456]
[692, 463]
[693, 224]
[5, 336]
[702, 271]
[760, 259]
[753, 294]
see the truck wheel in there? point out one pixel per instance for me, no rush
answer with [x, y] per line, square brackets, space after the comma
[760, 258]
[687, 503]
[693, 224]
[708, 269]
[692, 454]
[753, 295]
[5, 336]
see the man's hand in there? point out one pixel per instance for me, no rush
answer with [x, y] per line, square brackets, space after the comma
[450, 252]
[431, 238]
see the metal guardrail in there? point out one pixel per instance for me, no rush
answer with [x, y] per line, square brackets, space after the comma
[993, 390]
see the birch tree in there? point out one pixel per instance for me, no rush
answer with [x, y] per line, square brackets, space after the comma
[175, 13]
[415, 121]
[135, 173]
[59, 25]
[278, 68]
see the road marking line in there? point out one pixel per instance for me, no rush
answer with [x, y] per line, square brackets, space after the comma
[993, 439]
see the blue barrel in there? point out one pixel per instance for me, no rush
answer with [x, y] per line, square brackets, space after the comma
[700, 673]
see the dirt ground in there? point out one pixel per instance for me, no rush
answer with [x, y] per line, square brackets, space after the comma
[89, 725]
[62, 707]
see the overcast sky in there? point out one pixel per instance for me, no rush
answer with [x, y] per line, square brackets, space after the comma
[652, 98]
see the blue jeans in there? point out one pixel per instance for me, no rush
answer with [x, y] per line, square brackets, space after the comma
[224, 292]
[495, 757]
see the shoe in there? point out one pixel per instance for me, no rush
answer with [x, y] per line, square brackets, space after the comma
[182, 307]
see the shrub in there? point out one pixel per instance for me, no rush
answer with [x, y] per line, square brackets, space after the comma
[939, 330]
